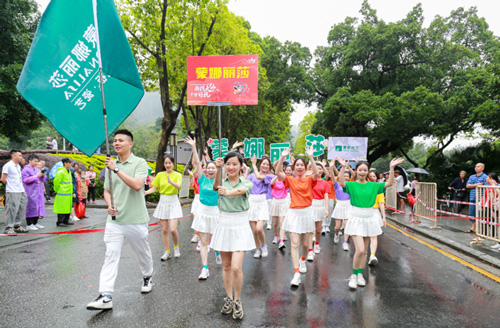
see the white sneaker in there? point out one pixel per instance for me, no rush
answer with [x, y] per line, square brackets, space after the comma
[204, 274]
[198, 247]
[496, 246]
[360, 280]
[102, 302]
[353, 281]
[323, 230]
[345, 247]
[296, 280]
[336, 239]
[177, 252]
[317, 249]
[302, 266]
[166, 256]
[264, 251]
[281, 245]
[218, 259]
[74, 219]
[195, 239]
[327, 229]
[310, 256]
[276, 240]
[257, 254]
[39, 226]
[340, 233]
[269, 227]
[373, 260]
[147, 285]
[31, 227]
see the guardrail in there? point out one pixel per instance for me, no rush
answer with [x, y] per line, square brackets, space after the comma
[426, 205]
[487, 213]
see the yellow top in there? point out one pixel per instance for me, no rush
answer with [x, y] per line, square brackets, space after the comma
[380, 199]
[161, 182]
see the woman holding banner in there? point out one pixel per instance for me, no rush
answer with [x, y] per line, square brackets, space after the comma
[364, 222]
[279, 206]
[298, 221]
[342, 209]
[168, 210]
[258, 213]
[232, 236]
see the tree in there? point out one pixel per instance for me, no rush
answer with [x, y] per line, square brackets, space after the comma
[305, 127]
[391, 82]
[18, 22]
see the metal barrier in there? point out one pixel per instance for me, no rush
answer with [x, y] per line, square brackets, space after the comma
[427, 194]
[391, 198]
[487, 213]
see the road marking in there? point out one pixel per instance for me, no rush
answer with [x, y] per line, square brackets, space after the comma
[437, 249]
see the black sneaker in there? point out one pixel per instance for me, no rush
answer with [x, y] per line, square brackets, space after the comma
[20, 229]
[238, 311]
[228, 306]
[102, 302]
[147, 285]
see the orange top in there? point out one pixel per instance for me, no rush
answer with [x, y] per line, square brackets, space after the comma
[301, 191]
[331, 195]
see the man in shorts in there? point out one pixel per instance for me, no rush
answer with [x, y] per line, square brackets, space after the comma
[478, 179]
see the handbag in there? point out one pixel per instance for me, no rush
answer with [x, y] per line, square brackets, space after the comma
[79, 209]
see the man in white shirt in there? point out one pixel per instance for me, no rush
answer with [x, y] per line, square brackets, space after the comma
[54, 143]
[400, 189]
[15, 197]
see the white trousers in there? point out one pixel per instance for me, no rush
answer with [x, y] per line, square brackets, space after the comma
[114, 235]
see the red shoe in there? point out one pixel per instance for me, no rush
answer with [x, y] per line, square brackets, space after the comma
[149, 203]
[86, 217]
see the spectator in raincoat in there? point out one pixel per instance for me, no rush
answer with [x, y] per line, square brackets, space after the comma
[63, 187]
[33, 180]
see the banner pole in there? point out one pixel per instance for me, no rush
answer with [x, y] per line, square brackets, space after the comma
[101, 83]
[220, 140]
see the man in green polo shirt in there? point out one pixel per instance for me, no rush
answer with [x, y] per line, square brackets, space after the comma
[127, 219]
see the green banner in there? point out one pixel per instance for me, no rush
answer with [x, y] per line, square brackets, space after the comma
[60, 77]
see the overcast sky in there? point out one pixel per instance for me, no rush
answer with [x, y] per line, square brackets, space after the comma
[309, 21]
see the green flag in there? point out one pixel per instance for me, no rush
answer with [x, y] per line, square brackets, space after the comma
[60, 77]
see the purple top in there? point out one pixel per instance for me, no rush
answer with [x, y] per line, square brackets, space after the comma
[261, 187]
[339, 192]
[33, 186]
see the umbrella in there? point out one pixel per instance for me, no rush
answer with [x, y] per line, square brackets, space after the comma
[54, 169]
[417, 170]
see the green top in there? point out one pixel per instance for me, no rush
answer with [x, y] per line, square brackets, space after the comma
[130, 204]
[161, 182]
[233, 204]
[364, 194]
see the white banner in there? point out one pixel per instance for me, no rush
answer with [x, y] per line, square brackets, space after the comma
[349, 148]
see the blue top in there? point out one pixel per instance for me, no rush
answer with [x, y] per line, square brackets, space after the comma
[473, 179]
[208, 196]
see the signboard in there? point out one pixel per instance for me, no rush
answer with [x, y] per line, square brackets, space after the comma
[349, 148]
[254, 146]
[214, 145]
[232, 79]
[277, 149]
[317, 143]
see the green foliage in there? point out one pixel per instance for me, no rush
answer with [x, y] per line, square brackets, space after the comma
[18, 21]
[305, 127]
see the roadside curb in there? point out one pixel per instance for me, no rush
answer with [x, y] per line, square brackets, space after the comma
[488, 259]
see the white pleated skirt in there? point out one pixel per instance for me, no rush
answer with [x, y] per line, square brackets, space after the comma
[233, 233]
[168, 208]
[195, 205]
[259, 209]
[279, 207]
[363, 222]
[299, 220]
[206, 219]
[318, 207]
[342, 210]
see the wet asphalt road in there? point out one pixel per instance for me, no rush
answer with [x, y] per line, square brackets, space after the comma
[46, 281]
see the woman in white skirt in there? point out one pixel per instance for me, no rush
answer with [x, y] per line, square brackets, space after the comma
[380, 205]
[193, 183]
[320, 210]
[331, 202]
[168, 210]
[298, 220]
[233, 235]
[342, 208]
[259, 208]
[279, 207]
[364, 221]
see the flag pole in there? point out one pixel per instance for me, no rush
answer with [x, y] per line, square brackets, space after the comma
[101, 82]
[220, 141]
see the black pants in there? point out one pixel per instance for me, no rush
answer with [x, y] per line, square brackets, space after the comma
[32, 221]
[91, 192]
[47, 189]
[146, 188]
[62, 218]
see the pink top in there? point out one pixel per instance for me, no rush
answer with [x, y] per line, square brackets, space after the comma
[278, 190]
